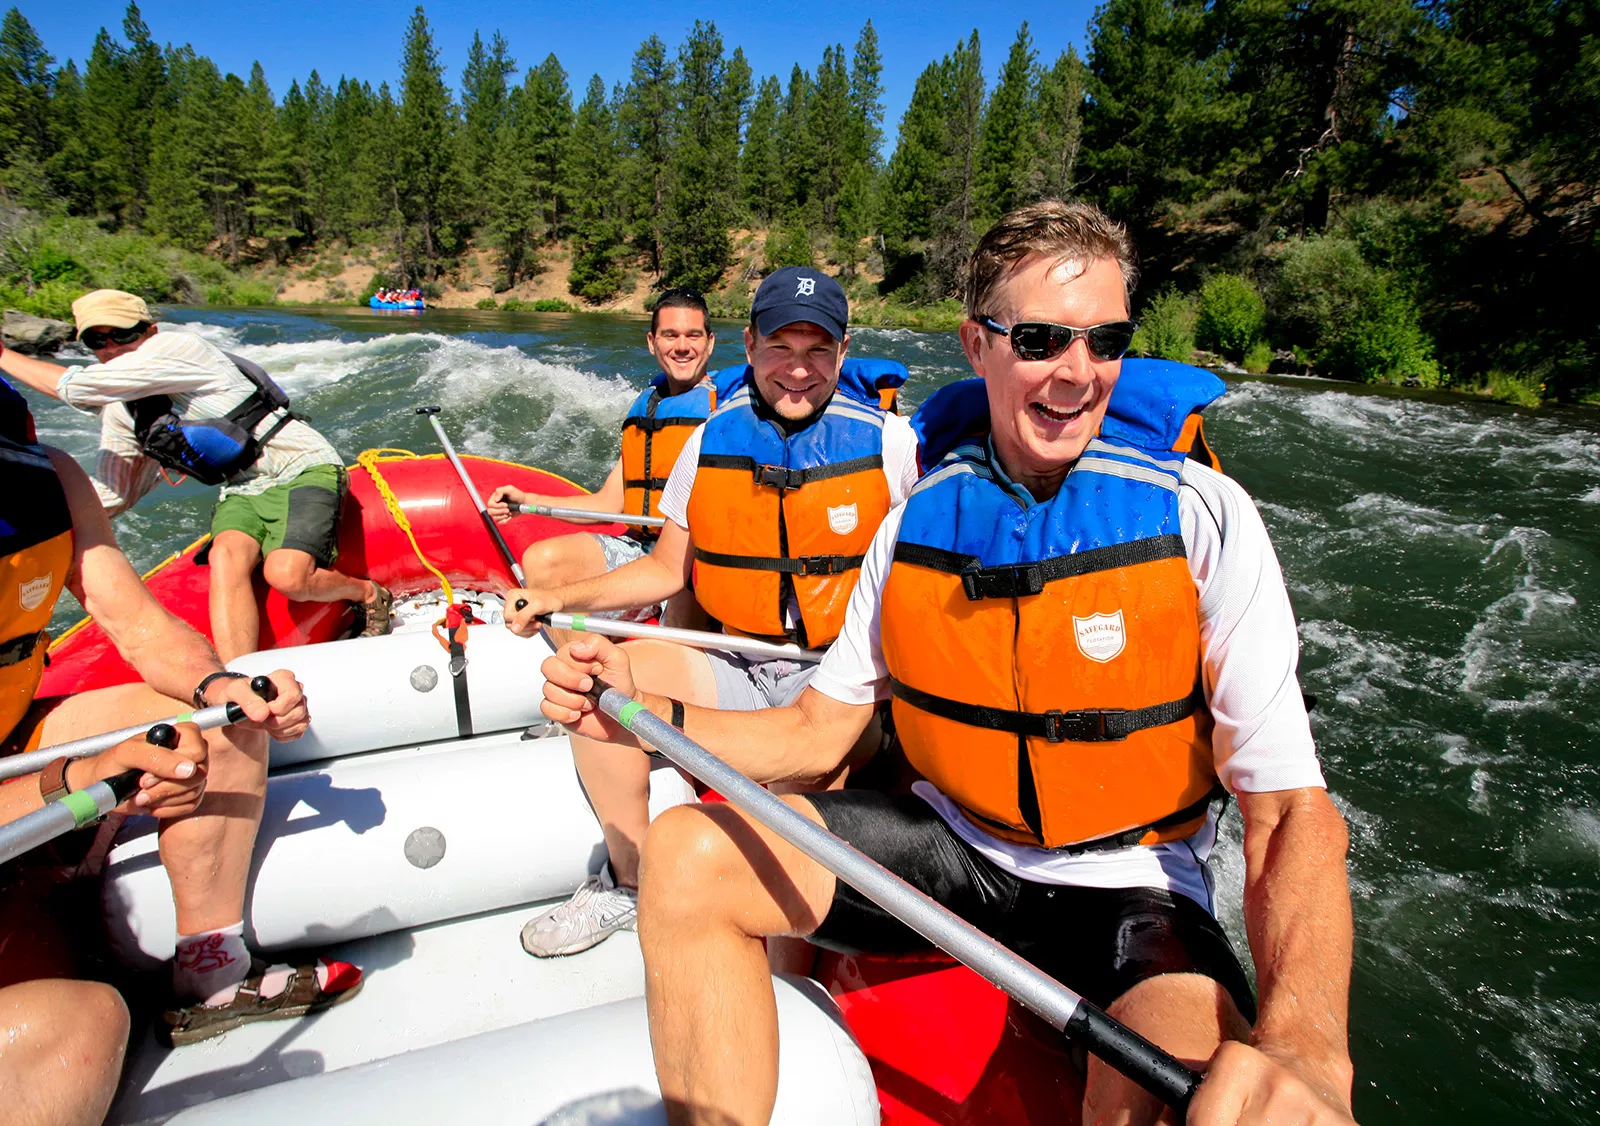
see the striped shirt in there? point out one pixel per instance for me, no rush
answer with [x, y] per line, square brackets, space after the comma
[202, 383]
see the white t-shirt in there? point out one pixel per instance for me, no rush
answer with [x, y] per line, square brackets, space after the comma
[1262, 738]
[899, 466]
[202, 383]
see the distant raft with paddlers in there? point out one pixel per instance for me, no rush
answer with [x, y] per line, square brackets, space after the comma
[412, 306]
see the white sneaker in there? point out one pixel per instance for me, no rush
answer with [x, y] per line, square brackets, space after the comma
[596, 911]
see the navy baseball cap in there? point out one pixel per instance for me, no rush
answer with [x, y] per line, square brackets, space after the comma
[800, 293]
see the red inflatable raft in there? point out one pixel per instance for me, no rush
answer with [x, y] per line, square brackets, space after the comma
[946, 1048]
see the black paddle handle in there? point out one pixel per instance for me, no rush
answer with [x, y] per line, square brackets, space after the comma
[1124, 1049]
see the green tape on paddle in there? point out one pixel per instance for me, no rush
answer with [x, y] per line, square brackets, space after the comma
[182, 717]
[578, 621]
[82, 807]
[626, 713]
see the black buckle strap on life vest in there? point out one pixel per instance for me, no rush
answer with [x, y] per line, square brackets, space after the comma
[1104, 725]
[804, 566]
[19, 649]
[1015, 580]
[786, 479]
[654, 483]
[650, 424]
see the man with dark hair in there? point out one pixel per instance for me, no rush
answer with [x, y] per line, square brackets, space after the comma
[171, 402]
[654, 430]
[1087, 641]
[769, 507]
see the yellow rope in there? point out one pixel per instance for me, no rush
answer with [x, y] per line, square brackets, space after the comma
[369, 461]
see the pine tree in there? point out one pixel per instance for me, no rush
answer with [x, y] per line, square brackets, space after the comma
[26, 86]
[484, 104]
[829, 141]
[858, 195]
[695, 244]
[431, 193]
[591, 167]
[916, 174]
[275, 197]
[794, 141]
[546, 123]
[760, 168]
[180, 204]
[513, 218]
[645, 117]
[1008, 134]
[1059, 135]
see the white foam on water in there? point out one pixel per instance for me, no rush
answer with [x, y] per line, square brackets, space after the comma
[1363, 667]
[302, 366]
[1591, 497]
[1405, 518]
[222, 336]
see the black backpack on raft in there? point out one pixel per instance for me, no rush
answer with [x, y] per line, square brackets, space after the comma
[211, 450]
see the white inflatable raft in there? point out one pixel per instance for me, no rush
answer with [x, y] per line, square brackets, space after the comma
[391, 841]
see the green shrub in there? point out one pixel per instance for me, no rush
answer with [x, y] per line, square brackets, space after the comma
[1356, 321]
[487, 303]
[937, 316]
[788, 244]
[1259, 358]
[1509, 387]
[1166, 331]
[241, 291]
[513, 305]
[552, 305]
[1232, 315]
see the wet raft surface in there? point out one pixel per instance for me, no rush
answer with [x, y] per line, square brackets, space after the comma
[1442, 558]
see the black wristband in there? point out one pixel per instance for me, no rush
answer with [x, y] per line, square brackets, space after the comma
[224, 674]
[677, 713]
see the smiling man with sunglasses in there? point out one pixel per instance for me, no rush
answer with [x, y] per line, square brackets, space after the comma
[172, 403]
[1088, 646]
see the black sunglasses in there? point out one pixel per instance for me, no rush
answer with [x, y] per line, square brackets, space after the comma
[94, 339]
[1041, 340]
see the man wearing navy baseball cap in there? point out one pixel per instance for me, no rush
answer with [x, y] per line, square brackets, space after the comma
[770, 507]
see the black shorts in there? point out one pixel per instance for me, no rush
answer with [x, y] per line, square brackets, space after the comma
[1100, 942]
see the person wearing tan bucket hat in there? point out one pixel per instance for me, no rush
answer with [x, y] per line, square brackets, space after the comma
[172, 404]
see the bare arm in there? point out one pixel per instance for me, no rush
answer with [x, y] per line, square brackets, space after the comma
[804, 742]
[607, 499]
[648, 579]
[1297, 915]
[41, 375]
[164, 651]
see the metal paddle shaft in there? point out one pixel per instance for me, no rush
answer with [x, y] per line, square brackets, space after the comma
[79, 808]
[585, 514]
[205, 719]
[699, 639]
[1118, 1045]
[472, 491]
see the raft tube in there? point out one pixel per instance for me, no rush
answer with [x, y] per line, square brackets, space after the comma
[591, 1066]
[388, 841]
[414, 306]
[372, 693]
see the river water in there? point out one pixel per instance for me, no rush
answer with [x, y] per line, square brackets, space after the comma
[1444, 562]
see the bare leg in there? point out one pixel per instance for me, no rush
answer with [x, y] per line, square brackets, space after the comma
[207, 854]
[235, 619]
[563, 559]
[61, 1045]
[295, 575]
[617, 779]
[1188, 1015]
[714, 884]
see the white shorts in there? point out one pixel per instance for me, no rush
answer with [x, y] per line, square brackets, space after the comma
[748, 684]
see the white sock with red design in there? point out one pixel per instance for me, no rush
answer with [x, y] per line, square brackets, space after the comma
[210, 967]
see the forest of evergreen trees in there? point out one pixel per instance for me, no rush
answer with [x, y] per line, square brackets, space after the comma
[1404, 190]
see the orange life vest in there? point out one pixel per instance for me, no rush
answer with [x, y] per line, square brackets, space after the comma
[1045, 657]
[653, 435]
[780, 516]
[35, 557]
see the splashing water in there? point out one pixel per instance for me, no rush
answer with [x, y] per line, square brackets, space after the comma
[1442, 558]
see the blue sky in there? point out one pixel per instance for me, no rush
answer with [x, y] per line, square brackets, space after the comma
[362, 38]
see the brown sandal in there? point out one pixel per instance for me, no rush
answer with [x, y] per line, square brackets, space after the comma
[301, 997]
[375, 618]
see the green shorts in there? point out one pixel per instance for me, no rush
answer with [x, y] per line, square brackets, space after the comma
[302, 515]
